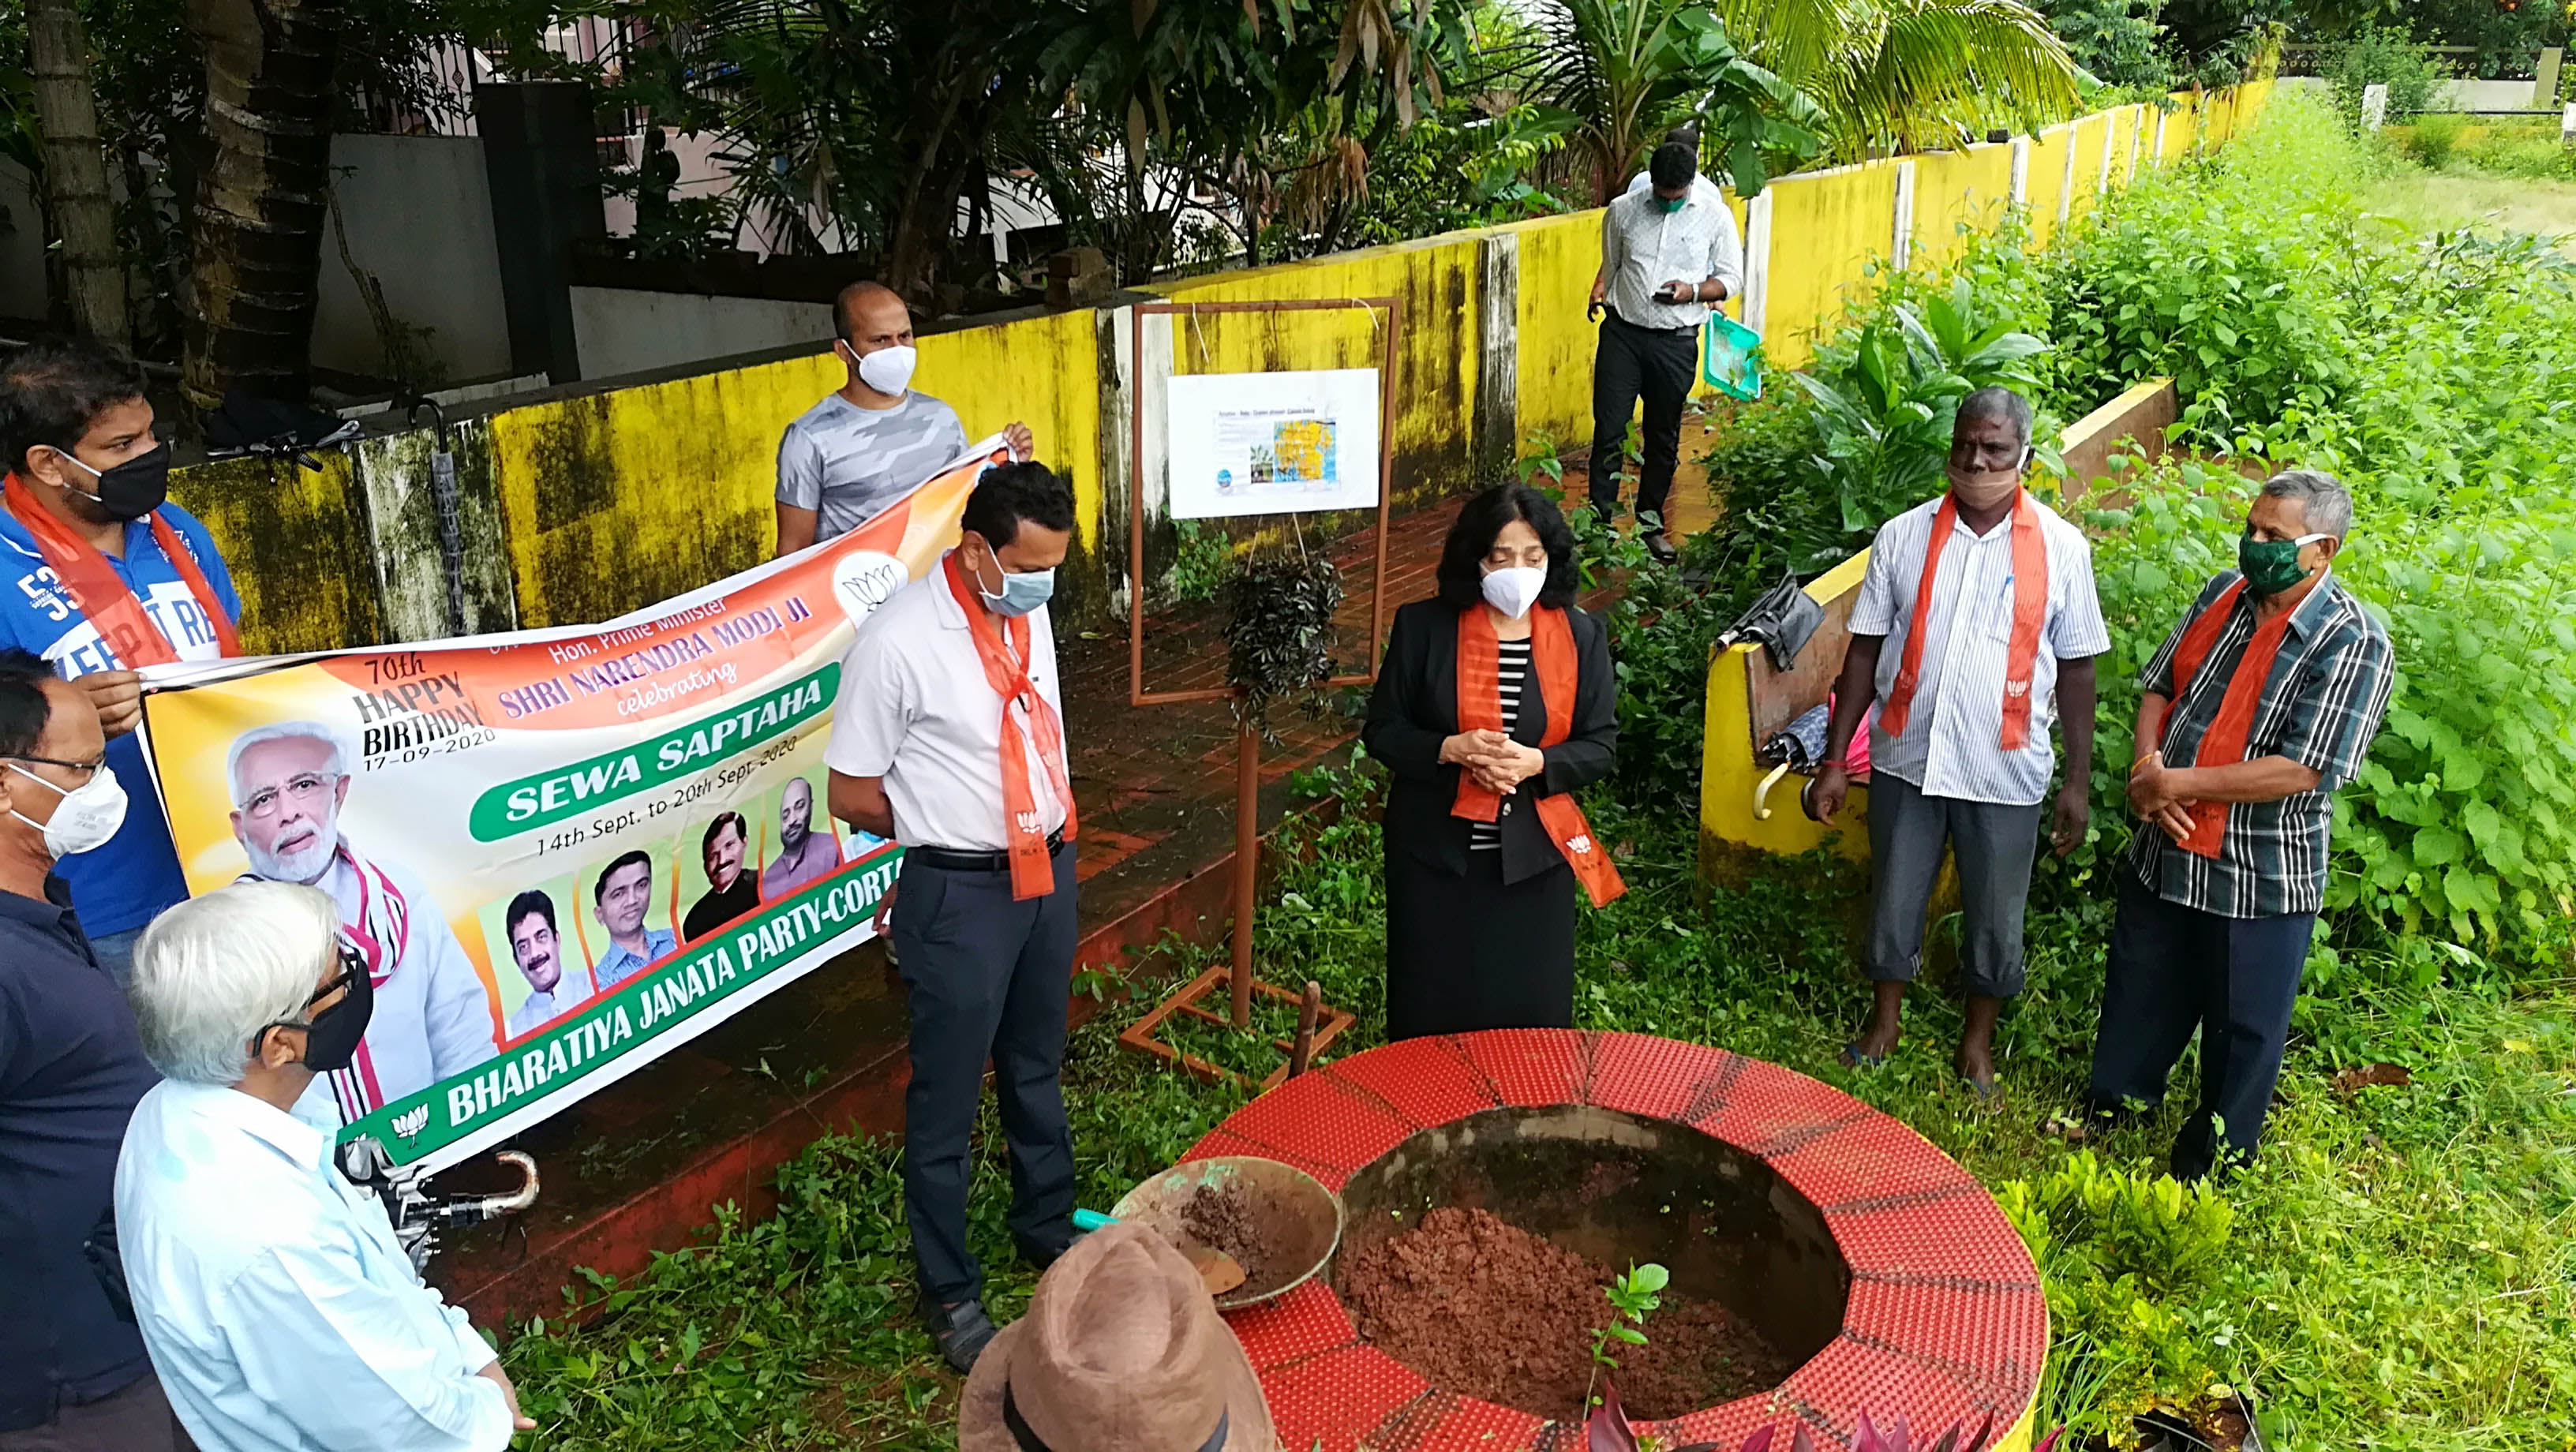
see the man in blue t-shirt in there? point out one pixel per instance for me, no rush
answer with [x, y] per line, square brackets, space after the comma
[87, 501]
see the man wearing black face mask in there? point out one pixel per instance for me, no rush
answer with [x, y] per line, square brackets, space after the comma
[278, 1305]
[2261, 703]
[72, 1368]
[108, 577]
[1987, 597]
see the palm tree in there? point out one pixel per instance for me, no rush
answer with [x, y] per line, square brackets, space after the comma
[74, 173]
[263, 198]
[1628, 70]
[1909, 75]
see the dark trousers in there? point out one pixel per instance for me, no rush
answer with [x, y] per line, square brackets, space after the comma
[2174, 969]
[1993, 845]
[1661, 366]
[988, 977]
[135, 1419]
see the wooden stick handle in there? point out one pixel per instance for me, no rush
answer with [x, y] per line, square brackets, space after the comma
[1307, 1012]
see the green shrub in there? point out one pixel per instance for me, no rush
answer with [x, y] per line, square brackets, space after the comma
[2529, 152]
[2431, 140]
[2375, 56]
[2117, 41]
[2217, 275]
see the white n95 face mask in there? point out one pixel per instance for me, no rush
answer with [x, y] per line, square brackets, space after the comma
[1514, 589]
[889, 370]
[86, 817]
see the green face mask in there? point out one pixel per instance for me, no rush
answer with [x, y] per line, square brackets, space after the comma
[2272, 565]
[1672, 204]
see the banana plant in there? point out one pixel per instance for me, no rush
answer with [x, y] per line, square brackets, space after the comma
[1888, 395]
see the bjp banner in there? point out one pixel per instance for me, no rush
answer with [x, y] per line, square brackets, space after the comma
[560, 853]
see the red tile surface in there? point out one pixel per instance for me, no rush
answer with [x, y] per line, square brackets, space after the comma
[1529, 1066]
[1310, 1118]
[1945, 1319]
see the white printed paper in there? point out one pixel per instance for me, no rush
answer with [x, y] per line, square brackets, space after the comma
[1273, 443]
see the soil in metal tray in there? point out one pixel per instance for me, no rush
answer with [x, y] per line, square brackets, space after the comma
[1484, 1308]
[1221, 1216]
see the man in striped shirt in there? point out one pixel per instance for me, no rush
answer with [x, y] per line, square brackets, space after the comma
[2262, 702]
[1987, 596]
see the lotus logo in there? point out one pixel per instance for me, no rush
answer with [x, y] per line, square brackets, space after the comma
[1028, 821]
[412, 1121]
[2016, 688]
[1580, 842]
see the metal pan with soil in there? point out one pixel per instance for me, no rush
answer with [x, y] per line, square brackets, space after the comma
[1278, 1222]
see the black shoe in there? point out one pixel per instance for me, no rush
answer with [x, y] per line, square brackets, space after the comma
[1039, 1254]
[962, 1331]
[1660, 545]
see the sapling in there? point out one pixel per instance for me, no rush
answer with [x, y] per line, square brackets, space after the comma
[1632, 1298]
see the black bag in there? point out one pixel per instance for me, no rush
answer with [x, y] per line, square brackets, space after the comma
[1780, 622]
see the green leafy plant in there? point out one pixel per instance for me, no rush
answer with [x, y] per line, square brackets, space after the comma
[1279, 631]
[2432, 139]
[1629, 69]
[1202, 561]
[1633, 1297]
[2379, 56]
[1888, 396]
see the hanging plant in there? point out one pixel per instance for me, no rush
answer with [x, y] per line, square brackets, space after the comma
[1279, 631]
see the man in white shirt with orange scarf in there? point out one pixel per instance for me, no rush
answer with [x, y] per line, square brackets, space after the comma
[949, 738]
[1988, 597]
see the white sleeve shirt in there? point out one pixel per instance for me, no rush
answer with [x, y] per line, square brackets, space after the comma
[1953, 741]
[281, 1312]
[916, 710]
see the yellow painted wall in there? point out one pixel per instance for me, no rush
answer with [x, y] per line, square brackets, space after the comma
[1438, 352]
[1559, 256]
[296, 542]
[1826, 229]
[2047, 180]
[1955, 189]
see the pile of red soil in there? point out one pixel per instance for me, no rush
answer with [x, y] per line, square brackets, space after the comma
[1484, 1308]
[1220, 1217]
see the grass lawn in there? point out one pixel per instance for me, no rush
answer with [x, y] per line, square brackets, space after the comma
[2423, 201]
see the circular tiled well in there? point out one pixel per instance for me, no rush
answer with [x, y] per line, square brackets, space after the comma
[1877, 1253]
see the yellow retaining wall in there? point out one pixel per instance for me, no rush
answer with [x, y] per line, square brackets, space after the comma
[1955, 189]
[1439, 354]
[617, 495]
[1826, 229]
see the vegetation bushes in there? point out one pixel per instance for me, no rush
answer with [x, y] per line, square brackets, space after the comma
[2378, 56]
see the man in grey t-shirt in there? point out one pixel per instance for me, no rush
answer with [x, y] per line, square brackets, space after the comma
[867, 444]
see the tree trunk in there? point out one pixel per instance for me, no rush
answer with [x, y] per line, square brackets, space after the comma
[263, 199]
[75, 171]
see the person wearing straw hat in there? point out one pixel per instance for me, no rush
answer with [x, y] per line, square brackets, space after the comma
[1122, 1351]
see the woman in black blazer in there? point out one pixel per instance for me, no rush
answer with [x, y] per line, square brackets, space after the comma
[1484, 844]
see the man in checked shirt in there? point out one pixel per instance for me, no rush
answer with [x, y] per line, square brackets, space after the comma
[2262, 702]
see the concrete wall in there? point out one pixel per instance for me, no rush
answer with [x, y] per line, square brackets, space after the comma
[621, 330]
[418, 213]
[609, 495]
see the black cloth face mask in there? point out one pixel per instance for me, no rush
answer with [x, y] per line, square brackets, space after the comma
[134, 488]
[331, 1037]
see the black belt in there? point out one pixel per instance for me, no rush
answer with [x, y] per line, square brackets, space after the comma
[949, 859]
[1658, 332]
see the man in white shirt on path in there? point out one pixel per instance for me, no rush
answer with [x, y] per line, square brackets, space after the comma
[866, 444]
[1668, 255]
[279, 1309]
[1987, 596]
[948, 737]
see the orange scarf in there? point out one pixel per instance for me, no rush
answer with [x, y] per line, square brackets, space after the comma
[103, 598]
[1006, 671]
[2223, 744]
[2030, 606]
[1480, 708]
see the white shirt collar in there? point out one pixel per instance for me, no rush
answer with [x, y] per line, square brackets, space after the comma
[301, 1143]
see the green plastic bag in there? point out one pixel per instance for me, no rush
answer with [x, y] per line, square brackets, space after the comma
[1729, 357]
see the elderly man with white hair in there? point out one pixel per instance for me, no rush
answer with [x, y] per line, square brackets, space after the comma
[279, 1309]
[434, 1017]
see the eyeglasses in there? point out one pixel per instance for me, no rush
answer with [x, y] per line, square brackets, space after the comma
[303, 791]
[87, 769]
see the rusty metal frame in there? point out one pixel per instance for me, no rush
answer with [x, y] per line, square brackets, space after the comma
[1142, 1035]
[1393, 307]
